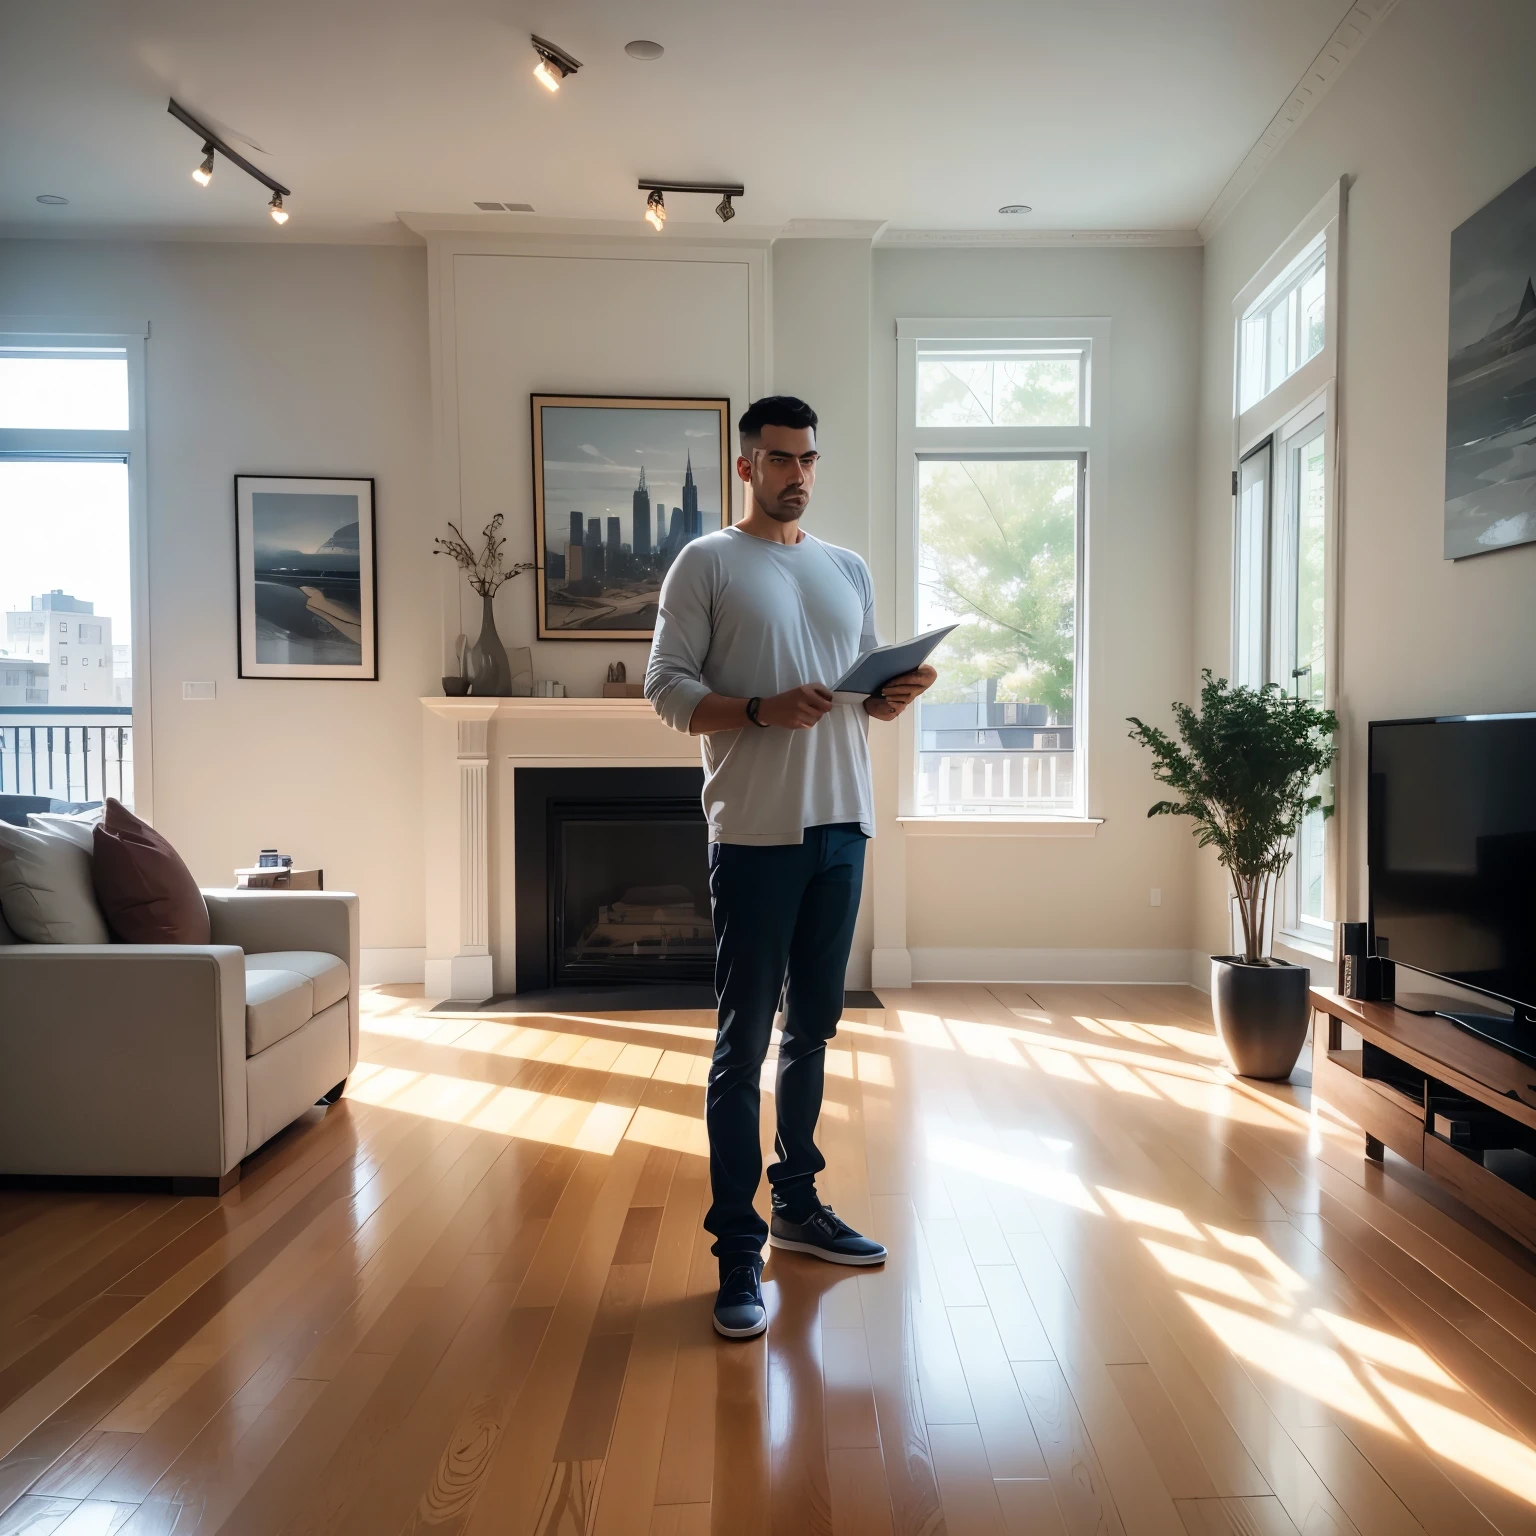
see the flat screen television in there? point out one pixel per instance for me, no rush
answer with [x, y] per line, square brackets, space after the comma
[1452, 856]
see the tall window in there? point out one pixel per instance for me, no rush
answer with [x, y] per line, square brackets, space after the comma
[997, 448]
[70, 467]
[1283, 486]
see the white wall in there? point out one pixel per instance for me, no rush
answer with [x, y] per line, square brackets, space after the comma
[305, 359]
[1017, 896]
[821, 318]
[1433, 118]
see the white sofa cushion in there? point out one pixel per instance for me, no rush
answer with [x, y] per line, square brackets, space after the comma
[78, 826]
[285, 989]
[46, 891]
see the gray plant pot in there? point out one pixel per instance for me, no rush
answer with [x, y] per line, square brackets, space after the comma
[1261, 1014]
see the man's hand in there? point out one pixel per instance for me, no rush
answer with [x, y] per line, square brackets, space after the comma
[899, 692]
[797, 710]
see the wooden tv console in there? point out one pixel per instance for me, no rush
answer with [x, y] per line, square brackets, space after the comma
[1412, 1071]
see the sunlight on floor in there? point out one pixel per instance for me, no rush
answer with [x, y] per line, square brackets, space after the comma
[1233, 1283]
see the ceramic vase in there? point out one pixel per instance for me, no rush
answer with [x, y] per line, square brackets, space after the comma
[485, 662]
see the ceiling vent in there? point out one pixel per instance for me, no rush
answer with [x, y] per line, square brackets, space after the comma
[508, 207]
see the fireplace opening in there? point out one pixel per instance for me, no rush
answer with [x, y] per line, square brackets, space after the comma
[612, 878]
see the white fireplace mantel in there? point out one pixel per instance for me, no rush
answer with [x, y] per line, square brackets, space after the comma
[467, 867]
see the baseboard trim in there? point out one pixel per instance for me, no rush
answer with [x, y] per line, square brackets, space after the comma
[1145, 966]
[386, 967]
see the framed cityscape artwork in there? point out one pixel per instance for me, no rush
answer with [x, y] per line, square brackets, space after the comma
[306, 595]
[1490, 453]
[620, 485]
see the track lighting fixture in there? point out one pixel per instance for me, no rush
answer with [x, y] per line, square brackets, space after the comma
[655, 208]
[213, 143]
[554, 64]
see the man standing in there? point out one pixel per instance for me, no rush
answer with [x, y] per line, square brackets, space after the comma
[756, 621]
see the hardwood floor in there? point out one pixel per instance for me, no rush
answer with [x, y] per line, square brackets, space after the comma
[1127, 1294]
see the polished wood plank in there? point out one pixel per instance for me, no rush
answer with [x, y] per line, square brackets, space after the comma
[1127, 1292]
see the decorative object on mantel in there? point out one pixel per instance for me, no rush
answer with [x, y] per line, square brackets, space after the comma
[545, 688]
[306, 598]
[520, 664]
[604, 469]
[617, 687]
[456, 685]
[1490, 412]
[485, 664]
[1246, 772]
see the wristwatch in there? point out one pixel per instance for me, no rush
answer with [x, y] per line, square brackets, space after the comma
[752, 705]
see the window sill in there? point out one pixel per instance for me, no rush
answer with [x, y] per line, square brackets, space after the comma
[1002, 826]
[1302, 951]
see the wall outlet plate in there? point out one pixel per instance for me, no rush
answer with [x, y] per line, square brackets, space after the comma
[196, 691]
[1157, 895]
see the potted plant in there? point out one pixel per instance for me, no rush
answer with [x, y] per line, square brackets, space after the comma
[485, 663]
[1246, 770]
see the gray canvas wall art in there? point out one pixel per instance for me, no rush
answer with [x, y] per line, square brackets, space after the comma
[306, 589]
[1490, 456]
[308, 585]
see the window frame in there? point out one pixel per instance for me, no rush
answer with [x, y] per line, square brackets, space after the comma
[1089, 440]
[1276, 419]
[129, 447]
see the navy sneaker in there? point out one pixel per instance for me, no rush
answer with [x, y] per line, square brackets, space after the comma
[739, 1310]
[824, 1234]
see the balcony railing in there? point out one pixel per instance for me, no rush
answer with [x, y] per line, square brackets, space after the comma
[996, 783]
[67, 754]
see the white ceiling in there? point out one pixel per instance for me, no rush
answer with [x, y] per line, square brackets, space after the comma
[1101, 114]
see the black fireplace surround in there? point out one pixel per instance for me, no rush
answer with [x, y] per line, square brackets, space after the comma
[612, 878]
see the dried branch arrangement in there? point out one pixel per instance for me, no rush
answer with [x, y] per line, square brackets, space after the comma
[486, 568]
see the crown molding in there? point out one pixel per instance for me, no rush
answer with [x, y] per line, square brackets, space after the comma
[1039, 237]
[1349, 37]
[833, 229]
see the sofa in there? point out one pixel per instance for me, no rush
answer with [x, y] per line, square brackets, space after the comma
[16, 808]
[177, 1061]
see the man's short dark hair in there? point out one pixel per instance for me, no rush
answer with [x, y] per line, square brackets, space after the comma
[773, 411]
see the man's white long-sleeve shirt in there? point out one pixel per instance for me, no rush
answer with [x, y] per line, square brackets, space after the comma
[745, 617]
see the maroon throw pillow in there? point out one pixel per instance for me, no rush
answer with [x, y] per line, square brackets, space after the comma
[147, 894]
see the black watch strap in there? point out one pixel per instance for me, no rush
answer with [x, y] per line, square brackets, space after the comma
[752, 705]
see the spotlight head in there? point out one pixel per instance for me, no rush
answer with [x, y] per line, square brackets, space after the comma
[275, 207]
[656, 211]
[724, 210]
[554, 64]
[204, 173]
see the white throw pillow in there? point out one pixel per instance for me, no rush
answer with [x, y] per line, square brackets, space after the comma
[78, 826]
[46, 891]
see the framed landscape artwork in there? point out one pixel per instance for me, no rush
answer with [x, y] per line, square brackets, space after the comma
[620, 485]
[1490, 416]
[306, 592]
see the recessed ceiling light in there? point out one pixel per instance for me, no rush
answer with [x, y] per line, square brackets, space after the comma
[52, 199]
[642, 49]
[1014, 208]
[509, 207]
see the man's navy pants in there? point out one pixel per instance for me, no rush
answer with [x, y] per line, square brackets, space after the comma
[780, 910]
